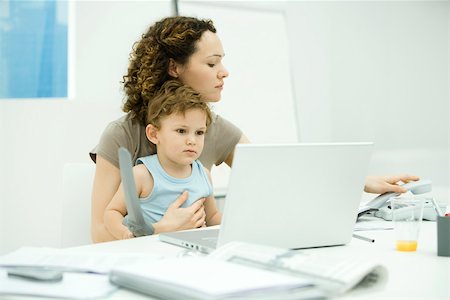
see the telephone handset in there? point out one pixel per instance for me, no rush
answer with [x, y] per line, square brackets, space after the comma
[135, 219]
[416, 187]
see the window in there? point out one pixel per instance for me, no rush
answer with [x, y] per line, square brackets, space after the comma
[33, 49]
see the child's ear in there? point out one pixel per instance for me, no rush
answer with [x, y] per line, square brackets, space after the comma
[152, 133]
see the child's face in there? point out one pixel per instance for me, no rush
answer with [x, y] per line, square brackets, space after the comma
[181, 137]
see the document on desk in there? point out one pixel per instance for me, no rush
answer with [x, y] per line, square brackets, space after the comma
[72, 286]
[64, 259]
[333, 274]
[242, 270]
[204, 278]
[372, 223]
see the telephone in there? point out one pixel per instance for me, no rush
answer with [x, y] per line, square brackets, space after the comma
[380, 204]
[135, 221]
[429, 211]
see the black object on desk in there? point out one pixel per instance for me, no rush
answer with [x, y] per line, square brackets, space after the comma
[443, 235]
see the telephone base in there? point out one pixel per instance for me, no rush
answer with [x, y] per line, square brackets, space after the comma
[429, 213]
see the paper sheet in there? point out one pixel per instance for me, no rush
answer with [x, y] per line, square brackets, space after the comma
[373, 224]
[204, 277]
[100, 263]
[93, 286]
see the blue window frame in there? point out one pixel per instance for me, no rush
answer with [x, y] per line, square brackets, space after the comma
[33, 49]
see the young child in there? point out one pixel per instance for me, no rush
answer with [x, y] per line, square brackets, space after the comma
[177, 120]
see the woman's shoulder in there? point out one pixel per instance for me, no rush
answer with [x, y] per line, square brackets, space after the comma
[221, 124]
[123, 125]
[126, 132]
[220, 140]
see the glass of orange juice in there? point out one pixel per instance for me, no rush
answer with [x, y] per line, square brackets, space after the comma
[407, 213]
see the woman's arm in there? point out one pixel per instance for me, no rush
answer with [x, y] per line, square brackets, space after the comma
[229, 159]
[213, 216]
[106, 182]
[373, 184]
[383, 184]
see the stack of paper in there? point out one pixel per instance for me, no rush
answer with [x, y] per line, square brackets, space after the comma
[87, 270]
[72, 286]
[63, 259]
[205, 278]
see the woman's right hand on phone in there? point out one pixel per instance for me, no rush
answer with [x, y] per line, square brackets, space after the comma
[181, 218]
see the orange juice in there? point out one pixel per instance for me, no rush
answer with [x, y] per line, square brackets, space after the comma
[406, 245]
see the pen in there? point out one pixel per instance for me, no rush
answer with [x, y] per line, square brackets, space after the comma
[436, 207]
[363, 238]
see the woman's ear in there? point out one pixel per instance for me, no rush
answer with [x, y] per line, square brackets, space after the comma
[152, 133]
[174, 68]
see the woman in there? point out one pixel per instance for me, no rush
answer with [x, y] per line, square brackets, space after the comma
[189, 50]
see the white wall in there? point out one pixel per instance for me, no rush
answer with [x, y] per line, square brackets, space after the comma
[267, 85]
[368, 71]
[39, 136]
[375, 71]
[362, 71]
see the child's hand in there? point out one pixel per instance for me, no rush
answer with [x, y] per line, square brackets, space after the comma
[181, 218]
[127, 234]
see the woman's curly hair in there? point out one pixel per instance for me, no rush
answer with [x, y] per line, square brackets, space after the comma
[175, 98]
[172, 37]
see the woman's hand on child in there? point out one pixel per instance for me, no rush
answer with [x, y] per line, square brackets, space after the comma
[180, 218]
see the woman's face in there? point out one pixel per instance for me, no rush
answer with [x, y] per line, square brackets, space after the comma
[204, 71]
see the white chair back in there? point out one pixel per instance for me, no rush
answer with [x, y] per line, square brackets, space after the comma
[76, 205]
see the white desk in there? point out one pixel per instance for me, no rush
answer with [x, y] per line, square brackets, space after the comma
[412, 275]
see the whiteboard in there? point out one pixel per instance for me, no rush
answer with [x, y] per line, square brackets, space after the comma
[258, 94]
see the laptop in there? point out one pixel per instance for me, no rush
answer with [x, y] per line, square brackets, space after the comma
[290, 196]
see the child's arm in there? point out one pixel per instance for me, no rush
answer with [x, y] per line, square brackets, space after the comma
[213, 216]
[117, 210]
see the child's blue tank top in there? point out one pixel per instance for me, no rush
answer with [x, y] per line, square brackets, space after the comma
[166, 189]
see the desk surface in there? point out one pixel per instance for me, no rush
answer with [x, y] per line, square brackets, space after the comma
[412, 275]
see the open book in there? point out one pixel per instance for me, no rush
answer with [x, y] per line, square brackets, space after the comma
[247, 271]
